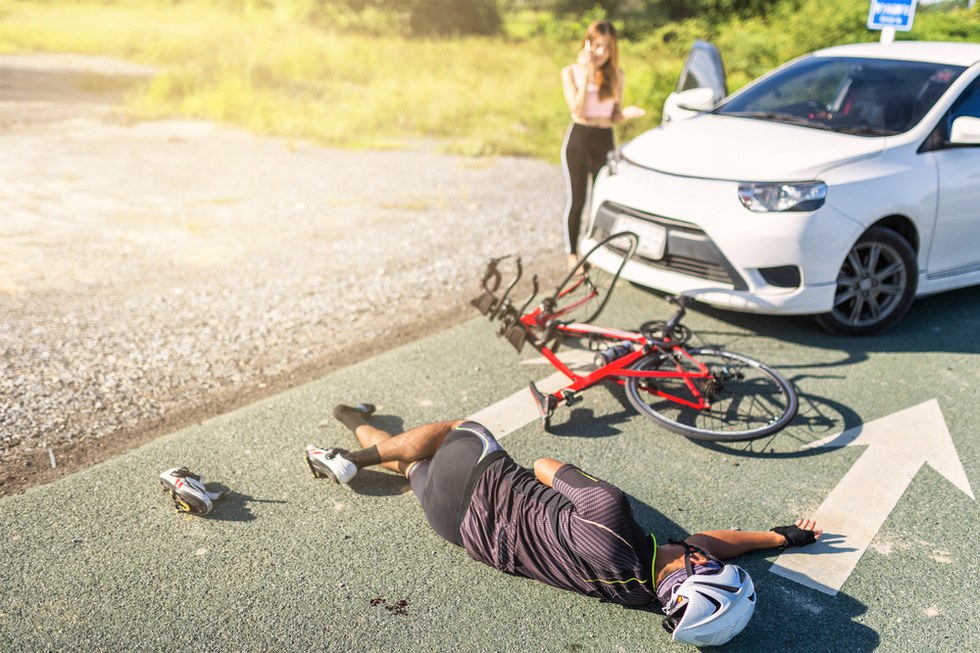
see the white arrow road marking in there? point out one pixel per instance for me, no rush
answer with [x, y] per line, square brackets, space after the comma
[520, 409]
[898, 446]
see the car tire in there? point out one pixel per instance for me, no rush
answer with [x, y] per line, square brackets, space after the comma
[875, 286]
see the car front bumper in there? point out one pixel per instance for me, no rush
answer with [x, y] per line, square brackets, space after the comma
[714, 249]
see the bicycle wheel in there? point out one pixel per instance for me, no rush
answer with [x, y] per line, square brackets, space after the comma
[748, 399]
[584, 291]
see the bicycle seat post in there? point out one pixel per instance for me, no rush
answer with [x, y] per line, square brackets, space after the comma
[676, 318]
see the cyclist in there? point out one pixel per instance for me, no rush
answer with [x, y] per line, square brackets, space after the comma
[560, 525]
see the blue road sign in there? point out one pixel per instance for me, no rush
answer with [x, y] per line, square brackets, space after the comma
[896, 14]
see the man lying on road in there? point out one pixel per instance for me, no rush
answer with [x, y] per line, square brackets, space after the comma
[560, 525]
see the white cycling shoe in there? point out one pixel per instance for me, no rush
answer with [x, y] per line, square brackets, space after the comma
[329, 463]
[187, 491]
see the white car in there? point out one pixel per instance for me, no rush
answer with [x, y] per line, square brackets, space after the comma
[843, 184]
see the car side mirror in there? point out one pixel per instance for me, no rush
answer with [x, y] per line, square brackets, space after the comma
[965, 130]
[696, 99]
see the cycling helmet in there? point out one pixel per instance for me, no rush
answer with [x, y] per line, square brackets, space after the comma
[711, 605]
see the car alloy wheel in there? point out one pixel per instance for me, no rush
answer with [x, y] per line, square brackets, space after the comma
[875, 286]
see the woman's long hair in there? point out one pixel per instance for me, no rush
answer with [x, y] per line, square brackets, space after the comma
[608, 74]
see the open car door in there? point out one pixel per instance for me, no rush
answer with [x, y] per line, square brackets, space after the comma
[701, 85]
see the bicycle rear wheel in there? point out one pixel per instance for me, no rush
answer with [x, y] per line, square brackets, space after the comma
[584, 291]
[748, 399]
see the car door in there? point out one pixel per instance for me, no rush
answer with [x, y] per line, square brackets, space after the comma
[704, 69]
[957, 231]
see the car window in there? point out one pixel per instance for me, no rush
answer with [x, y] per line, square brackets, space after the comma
[859, 96]
[704, 69]
[967, 104]
[816, 85]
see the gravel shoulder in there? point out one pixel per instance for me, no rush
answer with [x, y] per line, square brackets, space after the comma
[154, 274]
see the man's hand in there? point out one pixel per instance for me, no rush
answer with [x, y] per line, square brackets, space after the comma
[803, 532]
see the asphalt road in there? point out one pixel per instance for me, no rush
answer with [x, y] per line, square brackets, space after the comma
[154, 274]
[100, 561]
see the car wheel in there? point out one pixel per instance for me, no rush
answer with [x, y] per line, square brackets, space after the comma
[875, 285]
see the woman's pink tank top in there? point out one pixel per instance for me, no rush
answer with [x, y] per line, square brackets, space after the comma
[594, 107]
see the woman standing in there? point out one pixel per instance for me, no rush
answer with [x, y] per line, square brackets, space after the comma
[593, 88]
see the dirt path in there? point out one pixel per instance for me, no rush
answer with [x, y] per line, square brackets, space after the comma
[155, 274]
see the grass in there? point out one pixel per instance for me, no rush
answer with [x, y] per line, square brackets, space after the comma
[270, 68]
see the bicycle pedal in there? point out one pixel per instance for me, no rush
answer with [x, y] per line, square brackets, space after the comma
[571, 398]
[546, 405]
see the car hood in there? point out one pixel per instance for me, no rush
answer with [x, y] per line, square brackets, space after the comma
[743, 149]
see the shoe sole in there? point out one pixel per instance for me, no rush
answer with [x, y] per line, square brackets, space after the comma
[180, 504]
[317, 473]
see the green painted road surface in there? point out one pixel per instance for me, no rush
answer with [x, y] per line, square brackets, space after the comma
[99, 561]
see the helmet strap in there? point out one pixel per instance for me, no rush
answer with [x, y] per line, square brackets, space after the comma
[688, 550]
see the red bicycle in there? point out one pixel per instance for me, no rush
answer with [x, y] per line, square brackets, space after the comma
[701, 392]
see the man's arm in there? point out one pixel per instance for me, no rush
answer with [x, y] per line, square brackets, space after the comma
[726, 545]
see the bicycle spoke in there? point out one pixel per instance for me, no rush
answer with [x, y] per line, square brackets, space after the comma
[747, 399]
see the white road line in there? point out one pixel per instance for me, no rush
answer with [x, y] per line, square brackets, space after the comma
[898, 446]
[520, 409]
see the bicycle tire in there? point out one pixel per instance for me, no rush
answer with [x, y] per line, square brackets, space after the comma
[759, 404]
[583, 293]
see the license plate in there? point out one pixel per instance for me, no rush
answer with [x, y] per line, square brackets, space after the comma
[652, 237]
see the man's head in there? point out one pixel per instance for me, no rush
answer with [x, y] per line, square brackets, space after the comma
[706, 601]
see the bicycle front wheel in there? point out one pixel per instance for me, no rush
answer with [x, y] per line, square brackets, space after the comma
[584, 291]
[748, 399]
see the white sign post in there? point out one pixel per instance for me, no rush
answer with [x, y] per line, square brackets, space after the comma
[891, 16]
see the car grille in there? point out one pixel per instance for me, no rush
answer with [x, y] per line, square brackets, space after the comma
[688, 251]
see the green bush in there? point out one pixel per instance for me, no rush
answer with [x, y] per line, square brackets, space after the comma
[351, 73]
[453, 17]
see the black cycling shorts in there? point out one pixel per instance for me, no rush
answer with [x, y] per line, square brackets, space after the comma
[444, 483]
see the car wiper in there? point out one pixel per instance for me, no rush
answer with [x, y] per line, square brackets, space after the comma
[780, 117]
[865, 131]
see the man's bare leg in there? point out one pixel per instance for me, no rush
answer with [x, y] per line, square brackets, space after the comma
[398, 452]
[393, 452]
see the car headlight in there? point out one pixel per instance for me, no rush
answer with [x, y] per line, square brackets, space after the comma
[763, 198]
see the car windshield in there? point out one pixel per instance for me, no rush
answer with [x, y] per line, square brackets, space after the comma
[868, 97]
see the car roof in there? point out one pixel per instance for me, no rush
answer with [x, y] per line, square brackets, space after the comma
[957, 54]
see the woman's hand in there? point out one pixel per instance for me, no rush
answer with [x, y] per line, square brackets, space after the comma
[585, 57]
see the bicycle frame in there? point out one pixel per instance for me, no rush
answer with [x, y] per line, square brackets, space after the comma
[542, 326]
[702, 392]
[619, 370]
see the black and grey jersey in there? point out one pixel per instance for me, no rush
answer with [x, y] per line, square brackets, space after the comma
[579, 536]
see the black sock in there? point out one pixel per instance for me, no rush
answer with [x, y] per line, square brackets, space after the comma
[364, 457]
[352, 417]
